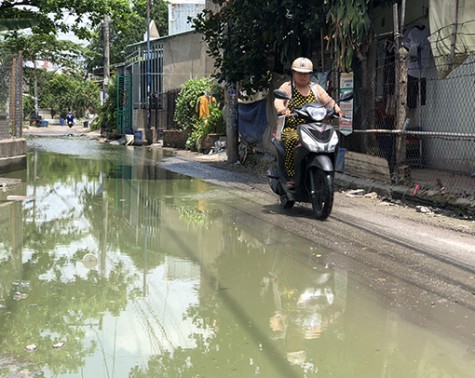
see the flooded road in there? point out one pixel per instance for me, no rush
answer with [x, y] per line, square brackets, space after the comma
[111, 266]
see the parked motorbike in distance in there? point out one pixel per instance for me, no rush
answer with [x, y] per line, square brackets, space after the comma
[314, 159]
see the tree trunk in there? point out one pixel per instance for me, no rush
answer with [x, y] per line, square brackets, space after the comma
[401, 106]
[106, 74]
[400, 91]
[232, 135]
[35, 86]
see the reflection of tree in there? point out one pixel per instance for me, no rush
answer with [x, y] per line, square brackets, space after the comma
[124, 214]
[60, 306]
[64, 300]
[120, 234]
[236, 307]
[60, 311]
[235, 339]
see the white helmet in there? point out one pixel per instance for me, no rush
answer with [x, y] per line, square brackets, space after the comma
[303, 65]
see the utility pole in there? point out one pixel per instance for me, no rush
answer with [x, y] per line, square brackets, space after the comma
[148, 67]
[232, 135]
[230, 100]
[400, 89]
[106, 45]
[35, 87]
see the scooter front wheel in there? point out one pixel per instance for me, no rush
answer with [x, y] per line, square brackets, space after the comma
[285, 202]
[321, 185]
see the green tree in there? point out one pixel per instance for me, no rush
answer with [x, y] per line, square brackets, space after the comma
[108, 111]
[62, 92]
[48, 16]
[127, 31]
[250, 40]
[185, 110]
[351, 25]
[62, 53]
[17, 19]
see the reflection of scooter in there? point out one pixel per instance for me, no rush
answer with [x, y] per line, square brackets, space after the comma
[314, 159]
[306, 306]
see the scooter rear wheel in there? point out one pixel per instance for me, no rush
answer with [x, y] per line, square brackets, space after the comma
[321, 184]
[285, 202]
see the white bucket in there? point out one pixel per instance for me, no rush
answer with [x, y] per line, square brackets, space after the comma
[129, 139]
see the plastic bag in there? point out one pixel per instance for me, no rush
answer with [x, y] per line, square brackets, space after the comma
[279, 127]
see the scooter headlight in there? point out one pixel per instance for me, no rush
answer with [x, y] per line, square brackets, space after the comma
[309, 141]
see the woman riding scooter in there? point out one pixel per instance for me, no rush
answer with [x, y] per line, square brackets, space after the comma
[302, 91]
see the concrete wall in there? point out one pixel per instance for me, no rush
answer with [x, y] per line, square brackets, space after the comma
[184, 58]
[12, 154]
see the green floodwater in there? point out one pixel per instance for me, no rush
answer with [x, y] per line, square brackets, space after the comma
[112, 267]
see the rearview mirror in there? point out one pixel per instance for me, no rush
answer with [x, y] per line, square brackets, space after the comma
[346, 96]
[281, 94]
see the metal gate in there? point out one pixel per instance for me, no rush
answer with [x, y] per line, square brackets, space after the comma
[124, 104]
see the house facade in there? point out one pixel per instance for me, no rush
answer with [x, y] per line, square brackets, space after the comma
[173, 60]
[439, 36]
[441, 68]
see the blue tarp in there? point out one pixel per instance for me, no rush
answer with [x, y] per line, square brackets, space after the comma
[252, 121]
[321, 78]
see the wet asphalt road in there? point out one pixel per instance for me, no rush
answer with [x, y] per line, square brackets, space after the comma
[423, 263]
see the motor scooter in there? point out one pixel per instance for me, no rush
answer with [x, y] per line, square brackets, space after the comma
[70, 123]
[314, 159]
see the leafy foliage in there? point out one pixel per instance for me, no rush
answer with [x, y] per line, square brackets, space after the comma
[249, 40]
[124, 31]
[61, 92]
[185, 111]
[5, 67]
[48, 16]
[212, 124]
[351, 29]
[185, 114]
[107, 112]
[17, 19]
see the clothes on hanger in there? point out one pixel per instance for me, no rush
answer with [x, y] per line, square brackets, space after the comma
[202, 105]
[417, 43]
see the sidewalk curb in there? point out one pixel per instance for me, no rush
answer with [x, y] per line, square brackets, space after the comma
[462, 207]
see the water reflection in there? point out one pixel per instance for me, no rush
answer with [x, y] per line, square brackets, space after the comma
[137, 272]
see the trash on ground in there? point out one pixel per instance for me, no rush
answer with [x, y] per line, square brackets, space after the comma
[372, 195]
[19, 296]
[424, 210]
[31, 348]
[355, 193]
[59, 345]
